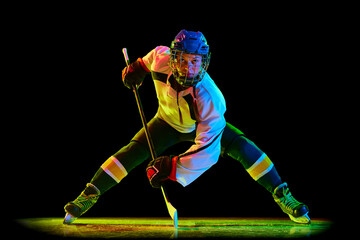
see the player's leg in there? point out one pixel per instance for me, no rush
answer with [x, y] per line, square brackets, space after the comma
[115, 168]
[263, 171]
[256, 162]
[137, 151]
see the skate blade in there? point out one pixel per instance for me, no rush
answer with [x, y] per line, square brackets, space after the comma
[304, 219]
[68, 218]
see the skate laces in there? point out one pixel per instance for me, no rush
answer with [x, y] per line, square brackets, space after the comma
[85, 201]
[288, 200]
[296, 210]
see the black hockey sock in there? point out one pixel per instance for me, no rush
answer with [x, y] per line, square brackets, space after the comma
[91, 190]
[103, 181]
[255, 161]
[270, 180]
[264, 172]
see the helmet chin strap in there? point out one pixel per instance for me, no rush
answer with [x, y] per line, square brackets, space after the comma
[184, 81]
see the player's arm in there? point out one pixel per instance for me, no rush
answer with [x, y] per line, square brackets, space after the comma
[137, 71]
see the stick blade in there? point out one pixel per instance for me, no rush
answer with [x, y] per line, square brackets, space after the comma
[172, 211]
[175, 218]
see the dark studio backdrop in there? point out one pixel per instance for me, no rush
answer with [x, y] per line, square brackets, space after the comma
[76, 112]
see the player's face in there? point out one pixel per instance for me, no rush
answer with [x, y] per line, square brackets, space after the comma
[188, 65]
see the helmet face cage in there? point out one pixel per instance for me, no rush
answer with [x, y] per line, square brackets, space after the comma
[191, 43]
[185, 80]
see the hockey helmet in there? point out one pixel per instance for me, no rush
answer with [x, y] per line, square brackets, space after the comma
[188, 42]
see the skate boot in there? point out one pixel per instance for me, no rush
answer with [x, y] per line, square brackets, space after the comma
[81, 204]
[297, 211]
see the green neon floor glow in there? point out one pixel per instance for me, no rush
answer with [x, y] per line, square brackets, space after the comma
[188, 227]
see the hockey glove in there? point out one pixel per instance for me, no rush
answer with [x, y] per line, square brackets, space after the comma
[134, 74]
[161, 169]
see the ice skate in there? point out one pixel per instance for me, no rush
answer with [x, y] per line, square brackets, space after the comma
[297, 211]
[81, 204]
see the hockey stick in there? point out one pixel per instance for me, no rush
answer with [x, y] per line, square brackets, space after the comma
[172, 211]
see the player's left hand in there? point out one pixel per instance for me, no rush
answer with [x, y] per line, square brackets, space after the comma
[134, 74]
[161, 169]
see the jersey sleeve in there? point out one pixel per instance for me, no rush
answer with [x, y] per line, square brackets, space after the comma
[157, 59]
[205, 152]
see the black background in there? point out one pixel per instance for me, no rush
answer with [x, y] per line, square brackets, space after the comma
[71, 111]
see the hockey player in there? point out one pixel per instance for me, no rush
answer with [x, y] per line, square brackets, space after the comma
[191, 108]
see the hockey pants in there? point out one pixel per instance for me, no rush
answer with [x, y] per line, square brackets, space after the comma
[233, 143]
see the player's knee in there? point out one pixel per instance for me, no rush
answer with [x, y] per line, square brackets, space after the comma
[243, 150]
[132, 154]
[138, 147]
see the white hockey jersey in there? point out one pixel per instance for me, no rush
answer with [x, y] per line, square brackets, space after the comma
[180, 112]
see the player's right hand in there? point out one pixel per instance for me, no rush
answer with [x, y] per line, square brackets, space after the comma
[133, 74]
[161, 169]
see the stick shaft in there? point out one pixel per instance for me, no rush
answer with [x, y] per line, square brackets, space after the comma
[124, 50]
[172, 211]
[141, 111]
[144, 122]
